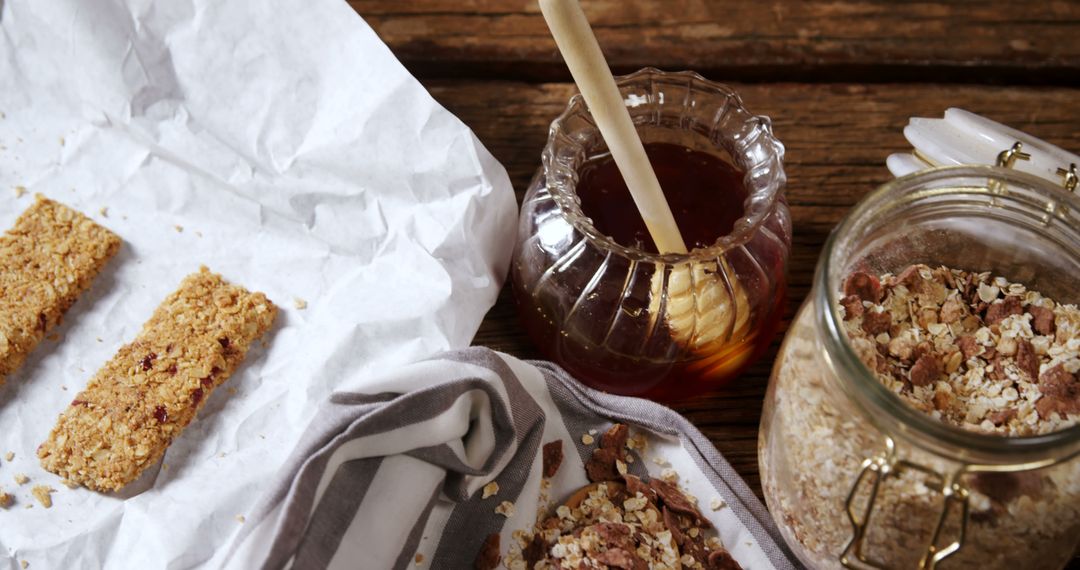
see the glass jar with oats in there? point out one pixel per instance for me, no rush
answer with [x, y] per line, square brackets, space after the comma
[925, 406]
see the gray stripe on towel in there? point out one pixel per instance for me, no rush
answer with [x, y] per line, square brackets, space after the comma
[471, 521]
[405, 557]
[327, 427]
[335, 512]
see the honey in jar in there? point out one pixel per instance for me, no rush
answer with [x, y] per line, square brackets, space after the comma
[592, 291]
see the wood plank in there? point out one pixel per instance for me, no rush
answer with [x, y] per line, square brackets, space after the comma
[787, 40]
[837, 138]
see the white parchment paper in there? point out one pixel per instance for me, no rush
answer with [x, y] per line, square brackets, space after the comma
[278, 142]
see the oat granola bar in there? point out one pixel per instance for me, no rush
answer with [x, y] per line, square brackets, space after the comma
[47, 260]
[143, 398]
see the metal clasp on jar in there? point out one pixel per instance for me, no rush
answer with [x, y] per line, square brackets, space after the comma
[875, 471]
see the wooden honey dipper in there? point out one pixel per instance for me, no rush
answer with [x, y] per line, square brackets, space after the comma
[703, 309]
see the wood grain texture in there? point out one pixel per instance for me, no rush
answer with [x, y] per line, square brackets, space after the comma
[832, 40]
[837, 138]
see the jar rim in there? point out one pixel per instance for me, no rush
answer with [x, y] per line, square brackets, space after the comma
[854, 375]
[760, 201]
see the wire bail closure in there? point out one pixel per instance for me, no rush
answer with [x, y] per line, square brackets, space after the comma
[1008, 157]
[877, 471]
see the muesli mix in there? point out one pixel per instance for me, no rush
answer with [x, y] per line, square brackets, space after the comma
[973, 351]
[619, 521]
[969, 349]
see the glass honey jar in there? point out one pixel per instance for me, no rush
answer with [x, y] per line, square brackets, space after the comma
[593, 293]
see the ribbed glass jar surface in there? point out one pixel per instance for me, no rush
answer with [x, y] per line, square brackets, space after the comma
[857, 477]
[632, 322]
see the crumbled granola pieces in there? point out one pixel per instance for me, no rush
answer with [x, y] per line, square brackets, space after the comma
[552, 458]
[9, 456]
[490, 490]
[47, 259]
[602, 465]
[972, 350]
[620, 522]
[142, 399]
[6, 499]
[43, 494]
[21, 479]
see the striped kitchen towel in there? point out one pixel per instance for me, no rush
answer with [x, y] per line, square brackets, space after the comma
[392, 477]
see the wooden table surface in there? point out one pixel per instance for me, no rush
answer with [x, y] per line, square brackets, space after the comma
[839, 78]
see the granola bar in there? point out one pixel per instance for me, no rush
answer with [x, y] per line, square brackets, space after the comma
[47, 260]
[143, 398]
